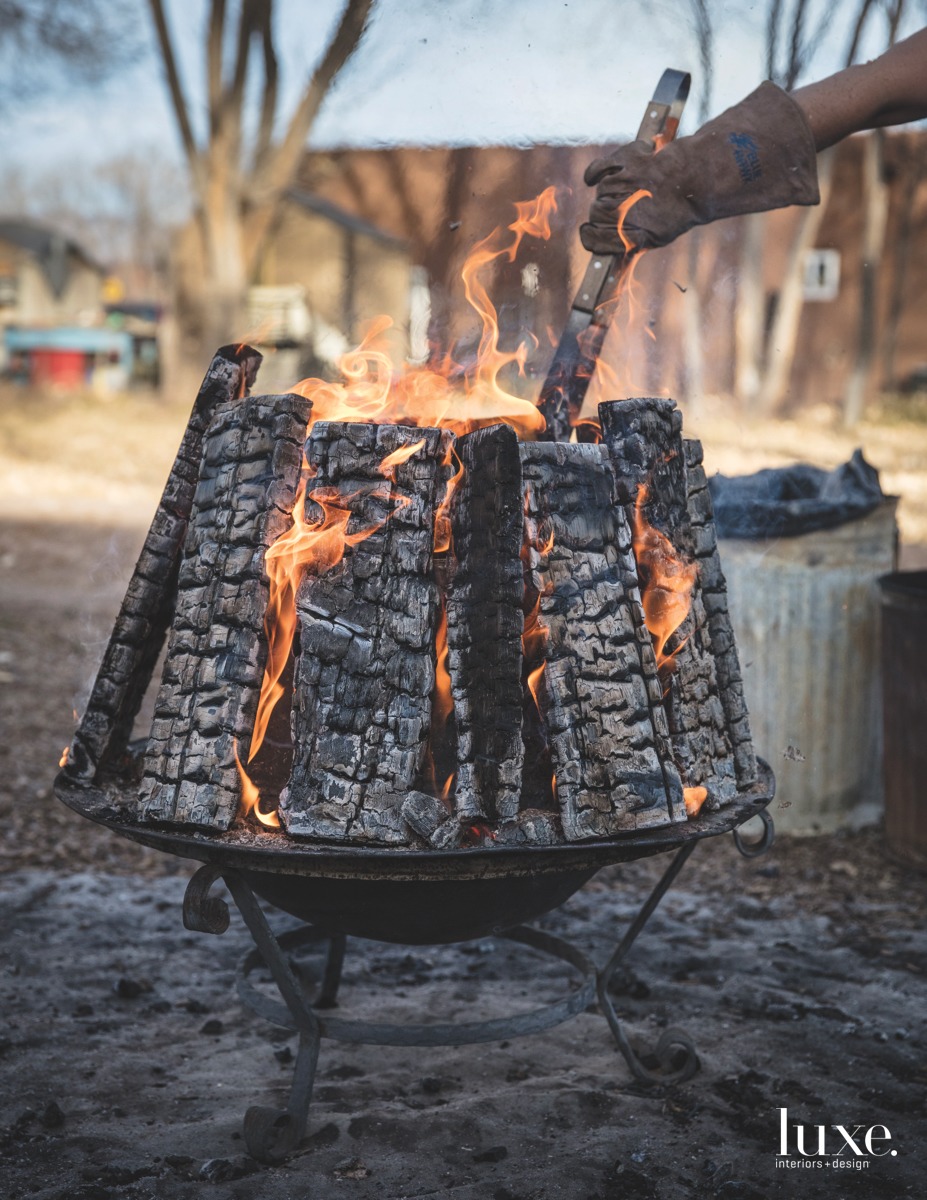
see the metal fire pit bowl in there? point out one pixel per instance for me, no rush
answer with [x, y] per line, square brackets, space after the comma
[413, 897]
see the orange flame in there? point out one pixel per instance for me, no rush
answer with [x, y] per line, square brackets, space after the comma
[443, 535]
[442, 701]
[251, 797]
[398, 457]
[371, 390]
[694, 798]
[319, 544]
[609, 381]
[63, 760]
[667, 581]
[446, 394]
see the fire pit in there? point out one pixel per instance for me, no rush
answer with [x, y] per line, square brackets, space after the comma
[425, 673]
[438, 869]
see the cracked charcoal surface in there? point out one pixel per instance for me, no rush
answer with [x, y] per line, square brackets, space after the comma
[215, 663]
[644, 440]
[485, 622]
[714, 596]
[362, 702]
[595, 698]
[142, 623]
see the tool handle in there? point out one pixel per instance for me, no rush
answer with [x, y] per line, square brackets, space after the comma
[578, 351]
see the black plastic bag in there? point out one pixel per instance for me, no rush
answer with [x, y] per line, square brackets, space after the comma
[786, 501]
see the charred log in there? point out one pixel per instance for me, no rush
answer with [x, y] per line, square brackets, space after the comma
[714, 595]
[141, 626]
[209, 692]
[485, 623]
[605, 735]
[366, 669]
[644, 440]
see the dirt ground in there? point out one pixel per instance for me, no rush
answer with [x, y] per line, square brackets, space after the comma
[127, 1061]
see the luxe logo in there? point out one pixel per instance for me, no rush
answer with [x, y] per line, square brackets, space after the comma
[831, 1145]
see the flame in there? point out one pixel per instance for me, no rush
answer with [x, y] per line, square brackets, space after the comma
[445, 394]
[536, 545]
[63, 760]
[398, 457]
[443, 534]
[667, 581]
[251, 797]
[320, 544]
[609, 381]
[694, 798]
[442, 700]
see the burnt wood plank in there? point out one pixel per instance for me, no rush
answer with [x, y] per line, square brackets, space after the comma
[366, 670]
[485, 623]
[644, 440]
[207, 701]
[605, 734]
[141, 625]
[714, 595]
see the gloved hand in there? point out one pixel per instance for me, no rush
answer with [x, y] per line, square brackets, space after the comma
[758, 155]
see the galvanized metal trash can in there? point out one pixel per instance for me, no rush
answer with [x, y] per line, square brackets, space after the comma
[805, 612]
[904, 690]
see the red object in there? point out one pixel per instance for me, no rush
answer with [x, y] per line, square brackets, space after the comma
[58, 368]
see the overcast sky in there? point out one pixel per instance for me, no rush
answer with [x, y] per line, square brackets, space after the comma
[445, 71]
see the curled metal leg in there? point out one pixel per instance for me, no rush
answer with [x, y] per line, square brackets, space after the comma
[328, 994]
[201, 912]
[272, 1134]
[754, 849]
[675, 1051]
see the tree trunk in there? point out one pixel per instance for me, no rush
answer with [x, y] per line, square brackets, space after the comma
[901, 259]
[749, 315]
[875, 218]
[692, 329]
[783, 336]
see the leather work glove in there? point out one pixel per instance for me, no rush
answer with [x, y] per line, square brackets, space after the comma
[758, 155]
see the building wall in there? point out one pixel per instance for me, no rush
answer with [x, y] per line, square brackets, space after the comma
[36, 303]
[443, 201]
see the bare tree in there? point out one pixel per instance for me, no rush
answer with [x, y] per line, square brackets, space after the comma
[692, 312]
[875, 221]
[790, 45]
[43, 41]
[914, 174]
[783, 333]
[238, 182]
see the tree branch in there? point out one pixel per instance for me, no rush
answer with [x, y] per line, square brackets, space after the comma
[178, 100]
[282, 162]
[269, 97]
[858, 31]
[214, 41]
[233, 99]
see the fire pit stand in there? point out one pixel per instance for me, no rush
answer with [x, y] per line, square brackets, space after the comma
[271, 1134]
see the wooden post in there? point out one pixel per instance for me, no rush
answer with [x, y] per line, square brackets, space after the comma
[714, 595]
[138, 635]
[599, 689]
[209, 692]
[644, 440]
[485, 623]
[362, 702]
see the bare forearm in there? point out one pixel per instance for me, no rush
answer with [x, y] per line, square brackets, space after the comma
[887, 91]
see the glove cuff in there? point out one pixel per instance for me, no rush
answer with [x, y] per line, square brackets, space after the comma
[763, 152]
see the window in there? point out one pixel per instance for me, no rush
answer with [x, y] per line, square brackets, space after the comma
[822, 274]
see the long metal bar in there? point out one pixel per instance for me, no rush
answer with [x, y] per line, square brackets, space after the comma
[675, 1050]
[577, 353]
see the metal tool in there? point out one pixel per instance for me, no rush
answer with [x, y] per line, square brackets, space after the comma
[578, 351]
